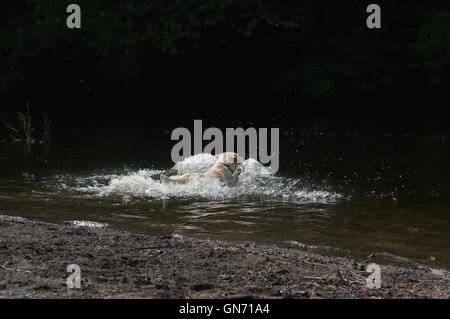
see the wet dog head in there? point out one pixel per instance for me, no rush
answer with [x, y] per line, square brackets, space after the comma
[230, 159]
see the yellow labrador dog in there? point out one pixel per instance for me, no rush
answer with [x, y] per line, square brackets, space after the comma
[225, 169]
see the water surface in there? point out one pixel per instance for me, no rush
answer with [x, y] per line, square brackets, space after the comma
[346, 189]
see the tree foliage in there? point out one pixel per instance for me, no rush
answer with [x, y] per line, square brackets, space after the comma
[292, 48]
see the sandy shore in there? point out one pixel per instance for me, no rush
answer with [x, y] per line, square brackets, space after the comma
[114, 264]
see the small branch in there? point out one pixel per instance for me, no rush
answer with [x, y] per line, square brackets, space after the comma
[22, 131]
[12, 131]
[16, 269]
[47, 123]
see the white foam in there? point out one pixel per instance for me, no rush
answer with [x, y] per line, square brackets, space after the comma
[255, 180]
[12, 218]
[84, 223]
[198, 163]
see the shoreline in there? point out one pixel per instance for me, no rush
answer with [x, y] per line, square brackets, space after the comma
[118, 264]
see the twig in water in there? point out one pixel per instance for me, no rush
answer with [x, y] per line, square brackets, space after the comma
[16, 269]
[47, 123]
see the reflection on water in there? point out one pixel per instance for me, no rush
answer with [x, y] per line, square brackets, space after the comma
[355, 191]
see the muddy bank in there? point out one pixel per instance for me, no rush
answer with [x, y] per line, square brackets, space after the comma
[114, 264]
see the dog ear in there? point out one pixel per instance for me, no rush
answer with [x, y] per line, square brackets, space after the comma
[235, 158]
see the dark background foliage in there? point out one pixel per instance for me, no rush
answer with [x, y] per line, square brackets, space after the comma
[164, 60]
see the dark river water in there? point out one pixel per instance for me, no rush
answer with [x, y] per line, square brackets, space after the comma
[347, 189]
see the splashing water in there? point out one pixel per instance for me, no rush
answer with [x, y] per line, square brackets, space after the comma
[255, 181]
[198, 163]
